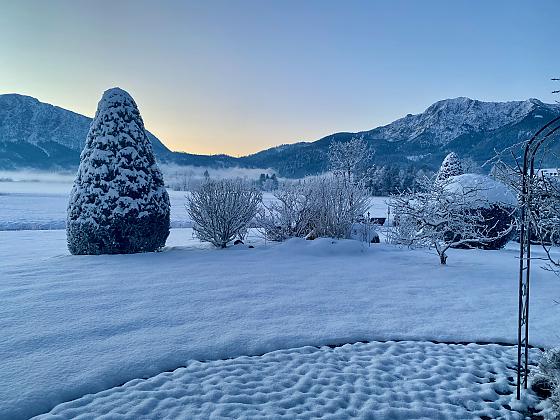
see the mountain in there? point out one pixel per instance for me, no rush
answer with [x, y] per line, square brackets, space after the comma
[472, 128]
[42, 136]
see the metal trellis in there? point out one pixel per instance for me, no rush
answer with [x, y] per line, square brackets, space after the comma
[526, 203]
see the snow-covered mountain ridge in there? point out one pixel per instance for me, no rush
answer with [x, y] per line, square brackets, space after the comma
[38, 135]
[472, 128]
[41, 136]
[448, 119]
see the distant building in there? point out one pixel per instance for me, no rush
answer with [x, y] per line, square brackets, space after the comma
[549, 172]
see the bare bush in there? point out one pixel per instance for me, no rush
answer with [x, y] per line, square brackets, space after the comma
[337, 204]
[222, 210]
[543, 206]
[289, 215]
[325, 206]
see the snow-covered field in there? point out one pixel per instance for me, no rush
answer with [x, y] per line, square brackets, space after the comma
[78, 325]
[42, 205]
[73, 325]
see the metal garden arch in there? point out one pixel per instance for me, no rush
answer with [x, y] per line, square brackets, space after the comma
[531, 149]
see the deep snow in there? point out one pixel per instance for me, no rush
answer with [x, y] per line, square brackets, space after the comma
[392, 380]
[74, 325]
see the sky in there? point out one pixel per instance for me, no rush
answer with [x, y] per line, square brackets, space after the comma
[240, 76]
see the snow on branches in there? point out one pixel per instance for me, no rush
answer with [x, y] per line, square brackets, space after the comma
[451, 166]
[543, 204]
[222, 210]
[544, 211]
[348, 159]
[320, 207]
[118, 203]
[290, 214]
[440, 216]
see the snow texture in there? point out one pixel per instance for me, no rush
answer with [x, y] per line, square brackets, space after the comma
[74, 325]
[118, 203]
[483, 190]
[391, 380]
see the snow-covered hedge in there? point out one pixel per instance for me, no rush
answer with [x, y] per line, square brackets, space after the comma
[493, 201]
[118, 203]
[484, 191]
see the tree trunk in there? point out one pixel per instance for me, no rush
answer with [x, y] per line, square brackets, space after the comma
[442, 258]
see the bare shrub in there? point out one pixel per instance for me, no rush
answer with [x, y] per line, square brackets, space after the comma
[326, 206]
[222, 210]
[289, 215]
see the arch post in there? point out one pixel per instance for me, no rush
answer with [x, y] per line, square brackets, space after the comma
[526, 204]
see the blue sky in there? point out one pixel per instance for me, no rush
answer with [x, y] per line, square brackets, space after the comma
[239, 76]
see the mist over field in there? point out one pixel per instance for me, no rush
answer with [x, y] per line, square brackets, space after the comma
[54, 177]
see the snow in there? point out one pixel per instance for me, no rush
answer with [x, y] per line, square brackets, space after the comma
[451, 166]
[391, 380]
[363, 232]
[117, 173]
[42, 205]
[446, 120]
[416, 158]
[25, 119]
[482, 189]
[76, 325]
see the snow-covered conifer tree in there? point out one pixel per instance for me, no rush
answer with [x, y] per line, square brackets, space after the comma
[451, 166]
[118, 203]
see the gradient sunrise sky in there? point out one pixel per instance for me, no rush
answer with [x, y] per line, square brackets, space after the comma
[239, 76]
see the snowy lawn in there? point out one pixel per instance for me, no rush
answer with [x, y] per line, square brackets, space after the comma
[25, 207]
[392, 380]
[73, 325]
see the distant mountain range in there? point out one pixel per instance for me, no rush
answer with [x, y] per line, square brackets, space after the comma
[36, 135]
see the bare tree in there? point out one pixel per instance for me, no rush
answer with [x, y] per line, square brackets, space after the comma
[543, 204]
[222, 209]
[348, 159]
[441, 217]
